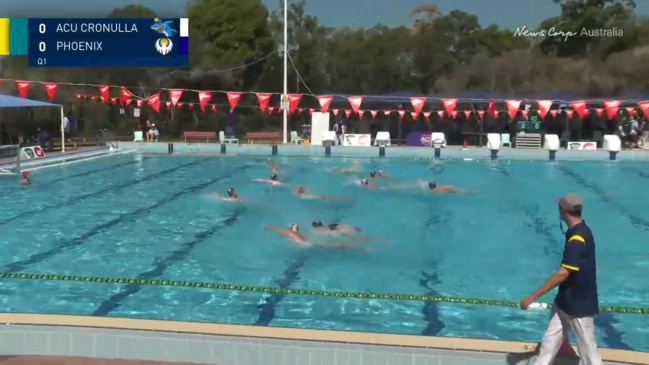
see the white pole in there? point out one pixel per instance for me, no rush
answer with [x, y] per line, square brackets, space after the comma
[285, 116]
[62, 130]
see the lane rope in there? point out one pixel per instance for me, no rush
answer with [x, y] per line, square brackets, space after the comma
[287, 291]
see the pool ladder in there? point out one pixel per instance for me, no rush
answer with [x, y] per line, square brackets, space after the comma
[107, 138]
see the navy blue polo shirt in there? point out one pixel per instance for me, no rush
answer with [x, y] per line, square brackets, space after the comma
[578, 294]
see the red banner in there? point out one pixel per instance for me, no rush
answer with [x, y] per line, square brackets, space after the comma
[233, 99]
[125, 96]
[579, 107]
[50, 89]
[154, 102]
[417, 104]
[263, 99]
[23, 88]
[293, 102]
[175, 95]
[204, 98]
[325, 102]
[449, 105]
[612, 107]
[544, 107]
[355, 102]
[512, 108]
[644, 106]
[104, 93]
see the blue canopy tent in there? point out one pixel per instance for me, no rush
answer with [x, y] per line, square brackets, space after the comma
[8, 101]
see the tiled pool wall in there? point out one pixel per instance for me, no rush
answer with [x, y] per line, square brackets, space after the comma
[505, 153]
[202, 343]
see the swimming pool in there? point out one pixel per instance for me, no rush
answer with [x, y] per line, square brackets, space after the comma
[151, 216]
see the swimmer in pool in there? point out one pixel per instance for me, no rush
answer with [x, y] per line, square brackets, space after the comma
[379, 174]
[368, 184]
[320, 227]
[301, 192]
[353, 167]
[27, 180]
[232, 196]
[272, 180]
[444, 189]
[293, 233]
[274, 166]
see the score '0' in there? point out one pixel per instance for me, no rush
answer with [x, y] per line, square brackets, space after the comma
[41, 46]
[41, 28]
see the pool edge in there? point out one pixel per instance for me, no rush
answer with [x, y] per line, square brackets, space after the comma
[11, 320]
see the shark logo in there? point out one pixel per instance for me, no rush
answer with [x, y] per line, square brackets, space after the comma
[163, 28]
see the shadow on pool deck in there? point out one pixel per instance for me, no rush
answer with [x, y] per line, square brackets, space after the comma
[64, 360]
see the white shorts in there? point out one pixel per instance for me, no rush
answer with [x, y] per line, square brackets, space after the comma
[560, 325]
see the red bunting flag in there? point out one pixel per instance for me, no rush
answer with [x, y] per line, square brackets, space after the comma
[402, 113]
[554, 113]
[154, 102]
[311, 110]
[139, 103]
[491, 109]
[104, 93]
[449, 105]
[214, 108]
[180, 106]
[271, 110]
[190, 106]
[579, 107]
[440, 113]
[630, 110]
[204, 98]
[263, 99]
[373, 113]
[125, 96]
[427, 115]
[325, 102]
[293, 102]
[454, 114]
[496, 113]
[387, 112]
[612, 107]
[335, 112]
[113, 101]
[360, 113]
[414, 115]
[512, 108]
[644, 106]
[525, 113]
[467, 114]
[50, 89]
[300, 110]
[481, 114]
[355, 102]
[348, 113]
[544, 107]
[23, 88]
[175, 95]
[168, 104]
[417, 104]
[233, 99]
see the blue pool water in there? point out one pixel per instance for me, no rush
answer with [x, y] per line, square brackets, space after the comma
[151, 216]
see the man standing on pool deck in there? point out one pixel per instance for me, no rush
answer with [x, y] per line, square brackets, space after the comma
[576, 302]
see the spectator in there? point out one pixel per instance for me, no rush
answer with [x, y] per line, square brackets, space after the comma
[633, 131]
[44, 139]
[153, 134]
[4, 136]
[340, 128]
[68, 130]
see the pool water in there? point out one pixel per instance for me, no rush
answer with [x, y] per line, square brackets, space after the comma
[153, 217]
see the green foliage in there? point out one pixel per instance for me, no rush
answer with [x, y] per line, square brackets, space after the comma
[236, 45]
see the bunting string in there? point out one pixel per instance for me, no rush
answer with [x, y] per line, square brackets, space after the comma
[354, 106]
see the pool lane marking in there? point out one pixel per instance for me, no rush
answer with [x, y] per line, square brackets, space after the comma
[20, 265]
[75, 159]
[104, 190]
[162, 263]
[635, 221]
[289, 277]
[605, 321]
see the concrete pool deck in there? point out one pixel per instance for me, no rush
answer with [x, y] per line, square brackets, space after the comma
[206, 343]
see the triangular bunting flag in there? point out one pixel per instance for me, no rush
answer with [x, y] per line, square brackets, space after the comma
[154, 102]
[512, 108]
[544, 107]
[481, 114]
[373, 113]
[263, 99]
[214, 108]
[554, 113]
[570, 114]
[175, 95]
[204, 98]
[644, 106]
[125, 96]
[335, 112]
[417, 104]
[612, 107]
[467, 114]
[23, 88]
[293, 102]
[449, 105]
[50, 89]
[402, 113]
[454, 114]
[325, 102]
[414, 115]
[348, 113]
[427, 115]
[355, 102]
[440, 113]
[233, 99]
[104, 93]
[579, 107]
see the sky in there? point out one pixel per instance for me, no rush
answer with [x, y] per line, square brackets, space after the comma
[333, 13]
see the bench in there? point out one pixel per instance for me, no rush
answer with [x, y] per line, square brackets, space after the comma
[263, 136]
[190, 135]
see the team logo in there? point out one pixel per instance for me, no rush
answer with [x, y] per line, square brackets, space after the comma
[163, 28]
[425, 140]
[349, 139]
[164, 46]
